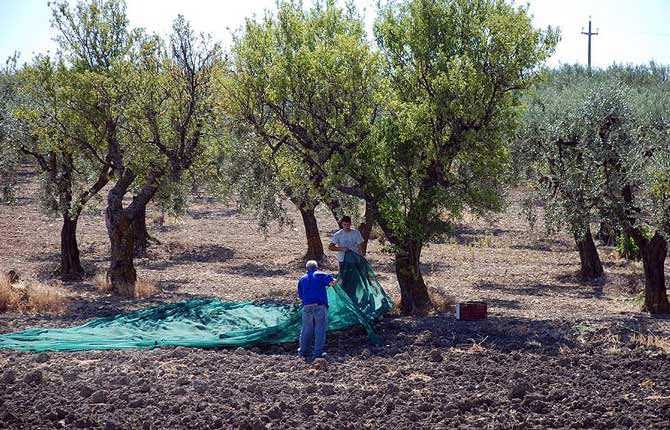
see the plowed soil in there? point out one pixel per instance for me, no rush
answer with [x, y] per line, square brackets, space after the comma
[554, 352]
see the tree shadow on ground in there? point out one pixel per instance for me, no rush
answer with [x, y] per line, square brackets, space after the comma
[405, 337]
[172, 285]
[213, 213]
[627, 283]
[466, 235]
[573, 278]
[542, 289]
[210, 253]
[576, 279]
[255, 270]
[501, 303]
[45, 257]
[545, 245]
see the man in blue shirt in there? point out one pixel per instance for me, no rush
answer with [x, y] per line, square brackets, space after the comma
[312, 292]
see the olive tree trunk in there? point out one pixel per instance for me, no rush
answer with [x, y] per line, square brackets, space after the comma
[121, 274]
[653, 253]
[414, 299]
[70, 264]
[591, 267]
[366, 227]
[314, 244]
[141, 239]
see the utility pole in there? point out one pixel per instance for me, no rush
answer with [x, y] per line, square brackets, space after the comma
[589, 34]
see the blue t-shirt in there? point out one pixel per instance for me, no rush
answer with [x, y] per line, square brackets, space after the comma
[312, 288]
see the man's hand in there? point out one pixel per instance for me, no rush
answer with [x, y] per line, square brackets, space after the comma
[333, 282]
[334, 247]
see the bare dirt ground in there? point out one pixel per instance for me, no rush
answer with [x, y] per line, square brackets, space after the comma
[554, 352]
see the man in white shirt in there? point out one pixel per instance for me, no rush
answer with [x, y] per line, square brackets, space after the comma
[345, 239]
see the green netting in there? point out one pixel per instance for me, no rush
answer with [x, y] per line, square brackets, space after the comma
[207, 323]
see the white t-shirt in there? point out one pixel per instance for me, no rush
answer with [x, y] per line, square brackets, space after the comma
[347, 239]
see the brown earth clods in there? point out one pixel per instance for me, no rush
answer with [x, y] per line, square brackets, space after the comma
[554, 353]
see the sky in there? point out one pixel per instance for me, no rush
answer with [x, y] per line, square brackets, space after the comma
[629, 31]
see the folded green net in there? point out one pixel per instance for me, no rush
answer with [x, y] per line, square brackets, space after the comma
[208, 323]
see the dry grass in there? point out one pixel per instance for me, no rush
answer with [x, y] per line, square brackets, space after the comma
[477, 347]
[613, 343]
[143, 287]
[651, 341]
[442, 302]
[9, 296]
[45, 299]
[101, 283]
[32, 297]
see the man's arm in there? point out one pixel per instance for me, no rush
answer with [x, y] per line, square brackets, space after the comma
[299, 291]
[334, 245]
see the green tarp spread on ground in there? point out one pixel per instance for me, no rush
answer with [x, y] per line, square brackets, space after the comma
[208, 323]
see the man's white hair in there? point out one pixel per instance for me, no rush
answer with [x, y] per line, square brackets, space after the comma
[312, 264]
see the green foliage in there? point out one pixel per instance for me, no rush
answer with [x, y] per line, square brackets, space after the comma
[598, 149]
[170, 127]
[301, 82]
[627, 248]
[418, 129]
[93, 35]
[549, 152]
[454, 73]
[67, 102]
[12, 133]
[116, 98]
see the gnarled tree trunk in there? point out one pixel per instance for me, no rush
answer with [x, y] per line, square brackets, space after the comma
[70, 264]
[121, 273]
[366, 227]
[607, 233]
[314, 244]
[414, 299]
[335, 208]
[141, 240]
[591, 267]
[654, 252]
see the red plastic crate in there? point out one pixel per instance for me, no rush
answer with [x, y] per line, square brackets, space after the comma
[471, 311]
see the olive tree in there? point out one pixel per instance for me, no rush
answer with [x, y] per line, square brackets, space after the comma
[65, 103]
[11, 131]
[548, 152]
[631, 143]
[165, 131]
[263, 180]
[455, 71]
[299, 82]
[614, 138]
[417, 130]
